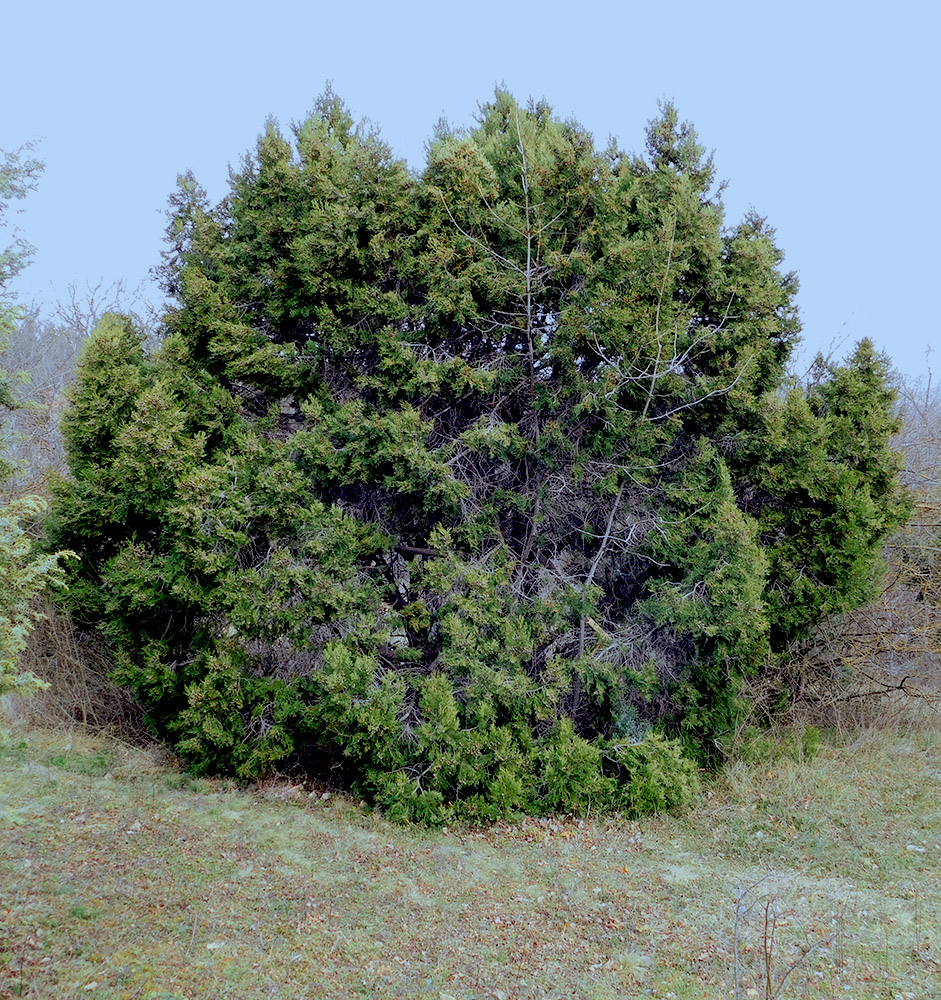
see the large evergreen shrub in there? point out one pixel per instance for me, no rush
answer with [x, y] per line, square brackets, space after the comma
[473, 491]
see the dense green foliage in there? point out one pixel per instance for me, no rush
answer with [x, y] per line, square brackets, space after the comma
[24, 575]
[478, 491]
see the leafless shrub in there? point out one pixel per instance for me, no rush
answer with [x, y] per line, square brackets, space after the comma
[760, 915]
[77, 666]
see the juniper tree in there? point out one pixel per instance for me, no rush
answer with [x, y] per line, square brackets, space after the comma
[469, 488]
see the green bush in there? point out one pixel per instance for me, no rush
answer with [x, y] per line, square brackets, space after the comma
[24, 574]
[477, 492]
[654, 775]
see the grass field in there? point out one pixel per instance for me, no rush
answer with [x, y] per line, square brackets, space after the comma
[122, 877]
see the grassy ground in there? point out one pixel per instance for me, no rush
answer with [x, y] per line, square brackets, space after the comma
[121, 877]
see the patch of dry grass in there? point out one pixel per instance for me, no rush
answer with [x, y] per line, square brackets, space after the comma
[120, 877]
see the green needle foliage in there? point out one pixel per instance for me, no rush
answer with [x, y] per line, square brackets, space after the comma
[478, 491]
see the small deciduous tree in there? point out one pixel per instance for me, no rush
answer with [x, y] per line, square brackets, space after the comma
[23, 573]
[18, 176]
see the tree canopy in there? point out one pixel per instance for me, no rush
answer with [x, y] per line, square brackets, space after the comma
[479, 490]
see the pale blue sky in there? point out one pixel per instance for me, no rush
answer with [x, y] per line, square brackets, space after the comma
[823, 116]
